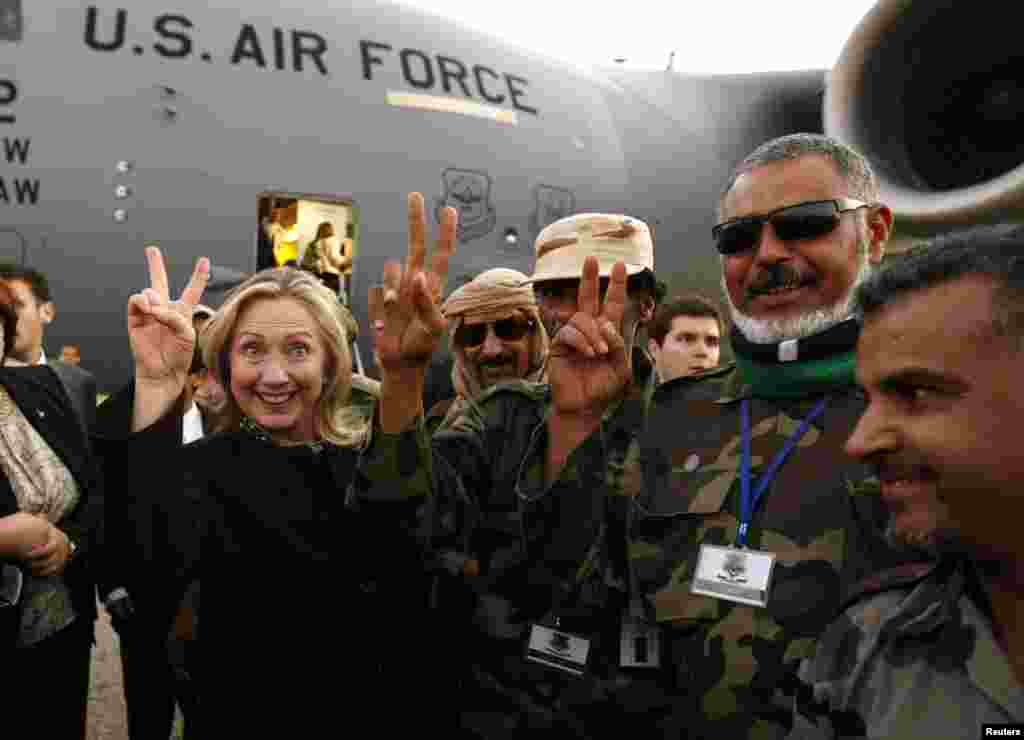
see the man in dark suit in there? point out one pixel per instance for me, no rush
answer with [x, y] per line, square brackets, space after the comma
[35, 308]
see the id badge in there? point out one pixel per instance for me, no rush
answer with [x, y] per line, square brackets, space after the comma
[640, 645]
[734, 574]
[557, 649]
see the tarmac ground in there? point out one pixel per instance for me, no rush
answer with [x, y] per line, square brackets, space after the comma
[107, 717]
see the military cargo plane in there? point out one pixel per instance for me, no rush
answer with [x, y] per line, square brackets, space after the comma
[185, 123]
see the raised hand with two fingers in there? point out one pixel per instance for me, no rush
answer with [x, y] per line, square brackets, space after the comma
[588, 365]
[161, 334]
[160, 330]
[405, 311]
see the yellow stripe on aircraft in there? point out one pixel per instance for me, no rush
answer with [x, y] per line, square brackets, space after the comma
[450, 105]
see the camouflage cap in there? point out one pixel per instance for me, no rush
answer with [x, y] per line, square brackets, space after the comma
[564, 245]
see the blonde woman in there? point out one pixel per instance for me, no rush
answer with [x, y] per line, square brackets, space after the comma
[256, 512]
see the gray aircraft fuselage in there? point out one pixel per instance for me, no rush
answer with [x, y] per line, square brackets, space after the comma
[153, 122]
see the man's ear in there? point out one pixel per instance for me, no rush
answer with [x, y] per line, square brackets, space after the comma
[880, 221]
[47, 312]
[647, 306]
[653, 349]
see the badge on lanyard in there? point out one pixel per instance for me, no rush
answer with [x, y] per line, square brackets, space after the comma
[736, 573]
[557, 649]
[640, 644]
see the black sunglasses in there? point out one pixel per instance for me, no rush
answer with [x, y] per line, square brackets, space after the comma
[792, 223]
[508, 330]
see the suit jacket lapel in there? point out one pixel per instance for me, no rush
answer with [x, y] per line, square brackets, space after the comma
[74, 391]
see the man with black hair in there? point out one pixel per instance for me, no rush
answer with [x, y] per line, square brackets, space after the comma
[685, 337]
[36, 310]
[936, 650]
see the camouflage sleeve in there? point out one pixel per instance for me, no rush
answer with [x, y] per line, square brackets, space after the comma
[395, 467]
[421, 484]
[450, 477]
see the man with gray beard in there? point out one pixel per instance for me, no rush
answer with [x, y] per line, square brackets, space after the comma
[750, 519]
[935, 650]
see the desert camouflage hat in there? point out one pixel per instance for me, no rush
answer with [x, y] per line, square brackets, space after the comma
[564, 245]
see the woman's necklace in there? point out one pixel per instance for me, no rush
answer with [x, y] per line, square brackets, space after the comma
[250, 426]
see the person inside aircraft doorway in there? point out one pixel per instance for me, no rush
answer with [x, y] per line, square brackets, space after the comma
[284, 235]
[330, 258]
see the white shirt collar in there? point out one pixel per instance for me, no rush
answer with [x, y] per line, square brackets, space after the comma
[42, 356]
[192, 425]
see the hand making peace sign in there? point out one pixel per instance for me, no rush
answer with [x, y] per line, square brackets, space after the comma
[588, 365]
[405, 311]
[160, 330]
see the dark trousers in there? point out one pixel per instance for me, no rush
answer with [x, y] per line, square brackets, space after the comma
[48, 683]
[188, 692]
[149, 681]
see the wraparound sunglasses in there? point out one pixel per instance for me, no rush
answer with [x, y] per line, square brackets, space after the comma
[802, 221]
[509, 330]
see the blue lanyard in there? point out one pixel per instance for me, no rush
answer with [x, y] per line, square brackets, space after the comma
[748, 504]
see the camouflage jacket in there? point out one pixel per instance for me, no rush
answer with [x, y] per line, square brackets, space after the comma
[651, 497]
[515, 552]
[913, 656]
[731, 669]
[645, 381]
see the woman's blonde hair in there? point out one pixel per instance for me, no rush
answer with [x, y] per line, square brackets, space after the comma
[337, 421]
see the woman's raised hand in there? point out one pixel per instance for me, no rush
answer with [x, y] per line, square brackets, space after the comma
[160, 330]
[405, 311]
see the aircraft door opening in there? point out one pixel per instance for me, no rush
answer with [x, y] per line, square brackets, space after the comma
[315, 233]
[318, 233]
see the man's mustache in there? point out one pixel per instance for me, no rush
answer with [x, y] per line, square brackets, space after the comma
[778, 275]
